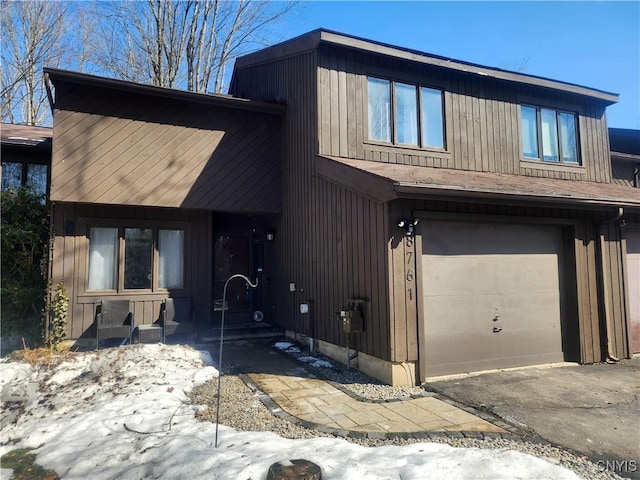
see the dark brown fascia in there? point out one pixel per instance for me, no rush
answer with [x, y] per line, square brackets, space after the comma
[506, 197]
[54, 74]
[312, 40]
[625, 157]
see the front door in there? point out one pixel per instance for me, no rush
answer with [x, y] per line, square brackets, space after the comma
[235, 254]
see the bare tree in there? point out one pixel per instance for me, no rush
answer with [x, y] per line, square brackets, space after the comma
[181, 44]
[33, 33]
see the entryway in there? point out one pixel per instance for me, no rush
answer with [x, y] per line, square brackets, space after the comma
[238, 254]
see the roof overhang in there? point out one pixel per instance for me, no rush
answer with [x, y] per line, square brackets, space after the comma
[625, 157]
[313, 39]
[386, 181]
[26, 136]
[56, 75]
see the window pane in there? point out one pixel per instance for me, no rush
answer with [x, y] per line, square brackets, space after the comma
[379, 109]
[529, 132]
[102, 258]
[37, 178]
[432, 124]
[11, 176]
[568, 137]
[549, 135]
[138, 258]
[406, 114]
[171, 261]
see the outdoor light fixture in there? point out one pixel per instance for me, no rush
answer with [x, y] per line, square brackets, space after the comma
[408, 225]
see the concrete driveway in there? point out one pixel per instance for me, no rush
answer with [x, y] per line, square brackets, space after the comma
[592, 409]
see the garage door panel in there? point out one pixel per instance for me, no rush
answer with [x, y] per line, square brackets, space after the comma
[480, 277]
[487, 274]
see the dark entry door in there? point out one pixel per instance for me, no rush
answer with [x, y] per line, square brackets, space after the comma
[232, 255]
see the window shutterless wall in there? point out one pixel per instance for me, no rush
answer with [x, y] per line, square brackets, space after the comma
[482, 124]
[70, 260]
[133, 257]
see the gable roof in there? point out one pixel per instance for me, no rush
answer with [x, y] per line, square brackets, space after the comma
[312, 40]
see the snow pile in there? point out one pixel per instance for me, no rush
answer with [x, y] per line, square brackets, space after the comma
[287, 347]
[122, 413]
[315, 362]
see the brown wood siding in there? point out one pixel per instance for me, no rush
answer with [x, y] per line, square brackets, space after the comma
[481, 117]
[292, 81]
[350, 262]
[70, 253]
[622, 173]
[614, 307]
[120, 148]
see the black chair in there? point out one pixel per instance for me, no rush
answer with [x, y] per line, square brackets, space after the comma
[114, 319]
[176, 317]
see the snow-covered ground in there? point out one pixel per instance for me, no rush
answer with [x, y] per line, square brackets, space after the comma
[124, 413]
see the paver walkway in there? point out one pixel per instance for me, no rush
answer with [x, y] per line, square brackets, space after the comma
[295, 390]
[319, 402]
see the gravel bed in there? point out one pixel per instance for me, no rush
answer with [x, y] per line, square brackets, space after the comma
[350, 380]
[242, 409]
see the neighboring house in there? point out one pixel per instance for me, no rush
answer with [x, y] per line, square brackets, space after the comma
[625, 156]
[625, 169]
[26, 157]
[467, 213]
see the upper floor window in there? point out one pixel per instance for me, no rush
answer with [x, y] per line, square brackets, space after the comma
[152, 257]
[549, 135]
[417, 118]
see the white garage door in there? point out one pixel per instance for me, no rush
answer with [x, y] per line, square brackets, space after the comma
[633, 285]
[491, 296]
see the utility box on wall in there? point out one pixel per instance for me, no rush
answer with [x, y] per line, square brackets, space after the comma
[352, 318]
[352, 321]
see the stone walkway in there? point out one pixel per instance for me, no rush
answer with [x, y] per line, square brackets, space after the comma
[289, 386]
[319, 402]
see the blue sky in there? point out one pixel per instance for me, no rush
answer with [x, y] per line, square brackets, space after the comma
[595, 44]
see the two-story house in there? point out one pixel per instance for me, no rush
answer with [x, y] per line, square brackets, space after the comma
[466, 213]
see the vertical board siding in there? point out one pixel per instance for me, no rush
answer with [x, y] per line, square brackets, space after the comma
[70, 254]
[335, 244]
[481, 117]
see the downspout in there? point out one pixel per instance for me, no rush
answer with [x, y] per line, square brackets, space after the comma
[605, 285]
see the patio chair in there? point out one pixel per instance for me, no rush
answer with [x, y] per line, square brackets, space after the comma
[114, 319]
[176, 317]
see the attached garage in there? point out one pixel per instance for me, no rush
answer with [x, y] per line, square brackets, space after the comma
[633, 285]
[492, 295]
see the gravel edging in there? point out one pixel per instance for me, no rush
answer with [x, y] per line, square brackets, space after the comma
[245, 407]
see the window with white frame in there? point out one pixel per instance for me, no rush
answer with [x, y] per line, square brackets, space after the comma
[405, 114]
[549, 135]
[134, 258]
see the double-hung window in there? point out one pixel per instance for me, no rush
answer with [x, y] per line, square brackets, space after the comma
[133, 258]
[549, 135]
[405, 114]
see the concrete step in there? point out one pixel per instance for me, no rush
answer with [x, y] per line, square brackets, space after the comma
[243, 331]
